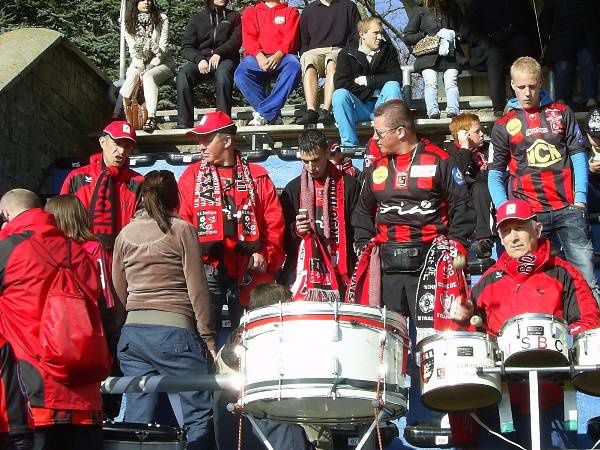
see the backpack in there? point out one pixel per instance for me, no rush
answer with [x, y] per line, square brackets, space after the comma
[73, 345]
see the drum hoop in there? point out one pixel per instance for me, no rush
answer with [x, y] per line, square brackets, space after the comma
[345, 318]
[532, 316]
[328, 383]
[442, 335]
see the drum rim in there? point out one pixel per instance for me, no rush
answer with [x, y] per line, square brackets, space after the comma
[585, 333]
[532, 316]
[450, 334]
[498, 390]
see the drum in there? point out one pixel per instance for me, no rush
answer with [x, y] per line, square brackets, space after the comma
[534, 340]
[319, 362]
[586, 352]
[449, 379]
[139, 436]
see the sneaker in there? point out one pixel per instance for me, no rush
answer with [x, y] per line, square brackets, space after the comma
[276, 121]
[435, 115]
[483, 248]
[183, 126]
[498, 112]
[309, 117]
[257, 120]
[451, 114]
[150, 125]
[325, 117]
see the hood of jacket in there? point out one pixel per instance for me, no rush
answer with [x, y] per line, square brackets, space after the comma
[545, 99]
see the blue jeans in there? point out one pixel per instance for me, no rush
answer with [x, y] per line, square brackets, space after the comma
[430, 78]
[251, 80]
[162, 350]
[565, 74]
[571, 227]
[348, 110]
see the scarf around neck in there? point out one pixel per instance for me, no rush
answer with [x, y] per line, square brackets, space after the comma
[103, 209]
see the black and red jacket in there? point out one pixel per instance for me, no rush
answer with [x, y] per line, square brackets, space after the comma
[14, 414]
[413, 202]
[536, 146]
[25, 277]
[128, 188]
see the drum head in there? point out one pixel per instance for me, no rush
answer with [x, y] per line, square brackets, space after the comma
[463, 397]
[588, 383]
[537, 358]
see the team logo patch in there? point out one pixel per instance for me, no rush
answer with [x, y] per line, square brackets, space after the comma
[458, 176]
[203, 120]
[427, 365]
[126, 128]
[513, 126]
[542, 154]
[380, 175]
[426, 303]
[279, 20]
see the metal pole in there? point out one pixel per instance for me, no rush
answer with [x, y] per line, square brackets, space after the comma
[122, 41]
[534, 408]
[120, 385]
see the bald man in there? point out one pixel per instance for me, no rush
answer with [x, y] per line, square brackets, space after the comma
[65, 417]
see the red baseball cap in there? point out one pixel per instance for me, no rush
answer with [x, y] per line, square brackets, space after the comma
[211, 122]
[120, 129]
[514, 209]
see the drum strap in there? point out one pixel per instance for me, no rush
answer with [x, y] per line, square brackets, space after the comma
[570, 402]
[505, 411]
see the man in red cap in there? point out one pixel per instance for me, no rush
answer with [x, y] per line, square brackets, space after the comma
[234, 206]
[528, 279]
[107, 187]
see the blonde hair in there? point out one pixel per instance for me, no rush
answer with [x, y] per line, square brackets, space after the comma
[462, 122]
[267, 294]
[71, 217]
[526, 64]
[364, 24]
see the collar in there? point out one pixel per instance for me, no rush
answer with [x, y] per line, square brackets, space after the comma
[35, 218]
[545, 99]
[366, 51]
[526, 264]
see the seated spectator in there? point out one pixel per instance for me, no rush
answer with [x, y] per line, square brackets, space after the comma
[365, 77]
[572, 37]
[471, 154]
[270, 39]
[592, 129]
[15, 430]
[147, 36]
[211, 44]
[499, 33]
[443, 19]
[169, 330]
[325, 26]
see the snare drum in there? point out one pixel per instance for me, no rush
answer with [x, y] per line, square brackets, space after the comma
[319, 362]
[449, 379]
[534, 340]
[586, 352]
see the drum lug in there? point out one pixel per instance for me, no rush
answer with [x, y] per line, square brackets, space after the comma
[335, 367]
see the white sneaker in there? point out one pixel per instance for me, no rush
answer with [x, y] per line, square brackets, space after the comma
[257, 120]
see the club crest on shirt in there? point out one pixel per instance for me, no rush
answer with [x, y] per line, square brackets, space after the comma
[279, 20]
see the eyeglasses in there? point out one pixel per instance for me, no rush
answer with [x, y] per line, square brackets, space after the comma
[382, 134]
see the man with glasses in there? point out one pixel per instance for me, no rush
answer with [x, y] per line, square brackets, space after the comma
[317, 206]
[234, 206]
[107, 187]
[365, 77]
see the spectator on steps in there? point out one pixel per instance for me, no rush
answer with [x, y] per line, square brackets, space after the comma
[107, 187]
[366, 76]
[440, 18]
[211, 43]
[592, 129]
[571, 32]
[325, 26]
[147, 36]
[270, 39]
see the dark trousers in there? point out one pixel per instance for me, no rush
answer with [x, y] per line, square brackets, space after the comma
[482, 202]
[189, 76]
[68, 437]
[399, 292]
[223, 291]
[496, 71]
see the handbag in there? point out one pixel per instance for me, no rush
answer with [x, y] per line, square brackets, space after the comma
[136, 113]
[427, 46]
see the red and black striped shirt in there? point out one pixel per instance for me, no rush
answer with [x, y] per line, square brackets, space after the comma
[536, 146]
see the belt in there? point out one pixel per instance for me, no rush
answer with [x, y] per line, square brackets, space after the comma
[157, 317]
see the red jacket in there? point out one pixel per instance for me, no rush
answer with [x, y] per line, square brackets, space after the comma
[24, 281]
[128, 188]
[268, 212]
[267, 29]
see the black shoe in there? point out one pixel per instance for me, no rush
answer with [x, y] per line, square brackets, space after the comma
[498, 113]
[435, 115]
[182, 126]
[309, 117]
[451, 114]
[325, 117]
[483, 248]
[150, 125]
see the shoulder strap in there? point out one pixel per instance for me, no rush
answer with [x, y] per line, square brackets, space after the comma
[50, 259]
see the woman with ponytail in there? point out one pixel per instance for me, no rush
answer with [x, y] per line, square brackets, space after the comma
[158, 276]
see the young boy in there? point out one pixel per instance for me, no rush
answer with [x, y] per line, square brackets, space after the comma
[470, 153]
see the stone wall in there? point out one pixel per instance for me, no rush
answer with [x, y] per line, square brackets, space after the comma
[51, 98]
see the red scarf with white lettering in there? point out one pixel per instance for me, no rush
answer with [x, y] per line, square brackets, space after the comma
[365, 284]
[103, 210]
[322, 264]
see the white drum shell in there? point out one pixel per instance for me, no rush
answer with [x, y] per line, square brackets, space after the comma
[586, 352]
[301, 365]
[534, 340]
[449, 381]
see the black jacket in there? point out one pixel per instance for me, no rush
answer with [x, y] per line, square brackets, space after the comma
[210, 31]
[352, 63]
[426, 22]
[567, 26]
[290, 203]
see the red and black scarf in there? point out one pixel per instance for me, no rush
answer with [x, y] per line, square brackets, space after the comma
[103, 210]
[346, 167]
[322, 261]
